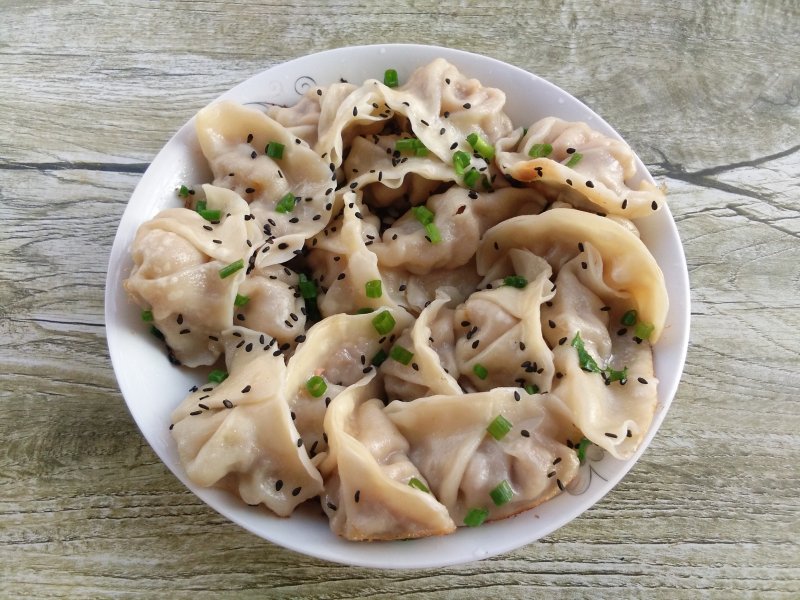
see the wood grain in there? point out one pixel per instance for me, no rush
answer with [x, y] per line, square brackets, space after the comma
[708, 93]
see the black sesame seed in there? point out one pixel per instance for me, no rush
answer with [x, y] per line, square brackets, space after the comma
[283, 246]
[569, 182]
[467, 105]
[589, 184]
[296, 491]
[551, 473]
[654, 205]
[525, 433]
[208, 228]
[622, 331]
[625, 204]
[475, 344]
[299, 442]
[227, 403]
[580, 246]
[194, 413]
[641, 380]
[562, 341]
[584, 265]
[611, 435]
[517, 398]
[253, 154]
[552, 324]
[357, 496]
[560, 485]
[203, 406]
[278, 485]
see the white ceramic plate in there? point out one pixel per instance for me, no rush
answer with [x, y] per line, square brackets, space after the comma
[152, 387]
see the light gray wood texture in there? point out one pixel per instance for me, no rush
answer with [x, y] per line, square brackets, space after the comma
[707, 92]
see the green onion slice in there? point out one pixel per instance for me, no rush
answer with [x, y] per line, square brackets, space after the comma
[379, 358]
[502, 494]
[274, 150]
[390, 78]
[200, 205]
[373, 288]
[183, 192]
[629, 318]
[433, 233]
[210, 215]
[417, 484]
[584, 358]
[147, 315]
[471, 177]
[644, 330]
[401, 355]
[423, 214]
[480, 371]
[532, 389]
[481, 146]
[581, 449]
[421, 151]
[364, 310]
[574, 159]
[517, 281]
[406, 144]
[217, 376]
[230, 269]
[460, 162]
[308, 287]
[241, 300]
[540, 150]
[156, 332]
[316, 386]
[499, 427]
[286, 203]
[612, 375]
[383, 322]
[476, 517]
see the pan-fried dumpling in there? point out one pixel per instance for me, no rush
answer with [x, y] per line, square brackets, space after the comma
[559, 234]
[465, 464]
[500, 339]
[239, 434]
[234, 139]
[581, 162]
[368, 475]
[176, 275]
[432, 368]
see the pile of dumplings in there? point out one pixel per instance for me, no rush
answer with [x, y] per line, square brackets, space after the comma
[419, 315]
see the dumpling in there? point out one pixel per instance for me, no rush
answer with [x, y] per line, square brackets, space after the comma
[559, 234]
[291, 193]
[337, 351]
[431, 368]
[468, 469]
[500, 340]
[369, 479]
[240, 435]
[581, 162]
[177, 259]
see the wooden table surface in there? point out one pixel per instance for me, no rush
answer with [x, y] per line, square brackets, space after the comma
[707, 92]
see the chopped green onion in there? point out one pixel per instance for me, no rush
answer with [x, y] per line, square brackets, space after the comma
[217, 376]
[480, 371]
[422, 214]
[379, 358]
[274, 150]
[364, 310]
[286, 204]
[460, 162]
[612, 375]
[390, 78]
[481, 146]
[384, 322]
[499, 427]
[156, 332]
[540, 150]
[147, 315]
[316, 386]
[373, 288]
[421, 151]
[574, 159]
[581, 449]
[629, 318]
[433, 233]
[308, 287]
[532, 389]
[183, 192]
[241, 300]
[200, 205]
[417, 484]
[644, 330]
[487, 185]
[517, 281]
[502, 494]
[584, 358]
[471, 177]
[312, 310]
[401, 355]
[406, 144]
[210, 215]
[475, 517]
[231, 268]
